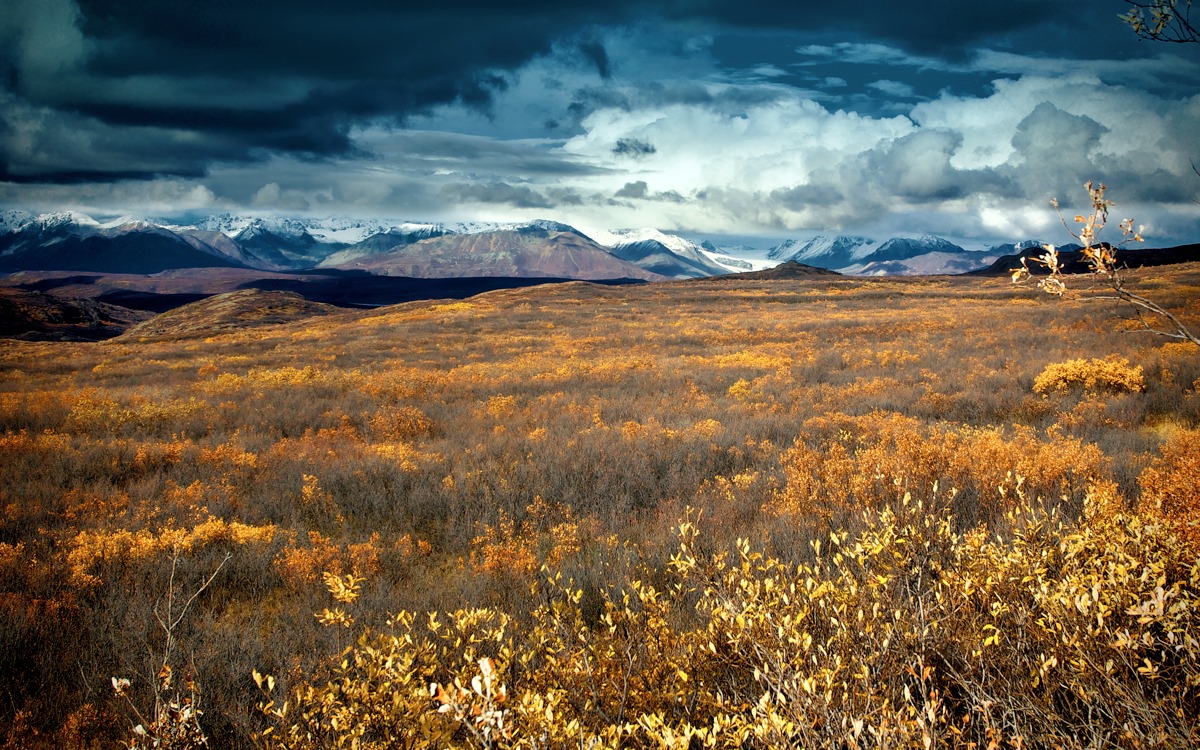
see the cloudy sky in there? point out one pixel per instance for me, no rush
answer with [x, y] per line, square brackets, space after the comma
[722, 118]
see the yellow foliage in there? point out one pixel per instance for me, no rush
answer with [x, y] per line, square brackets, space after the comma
[404, 423]
[267, 378]
[405, 455]
[1171, 486]
[92, 414]
[1113, 375]
[707, 429]
[845, 464]
[299, 566]
[227, 455]
[548, 535]
[905, 634]
[88, 551]
[500, 407]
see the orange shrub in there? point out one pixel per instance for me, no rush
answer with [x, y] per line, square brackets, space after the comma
[1171, 486]
[1114, 375]
[402, 423]
[843, 464]
[299, 566]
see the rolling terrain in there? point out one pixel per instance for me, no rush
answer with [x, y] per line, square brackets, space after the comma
[535, 453]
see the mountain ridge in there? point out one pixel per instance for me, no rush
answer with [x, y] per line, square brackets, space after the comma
[74, 241]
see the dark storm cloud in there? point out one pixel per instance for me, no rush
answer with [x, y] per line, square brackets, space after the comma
[637, 190]
[633, 147]
[595, 52]
[950, 28]
[502, 193]
[235, 80]
[174, 87]
[804, 196]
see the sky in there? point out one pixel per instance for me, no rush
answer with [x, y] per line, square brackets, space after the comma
[747, 120]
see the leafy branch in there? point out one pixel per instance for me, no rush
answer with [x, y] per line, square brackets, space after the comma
[1101, 259]
[1162, 21]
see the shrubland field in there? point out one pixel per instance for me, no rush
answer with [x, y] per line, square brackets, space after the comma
[797, 513]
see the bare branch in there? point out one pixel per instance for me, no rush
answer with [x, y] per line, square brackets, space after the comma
[1101, 258]
[1162, 21]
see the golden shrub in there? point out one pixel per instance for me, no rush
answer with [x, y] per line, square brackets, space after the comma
[844, 464]
[97, 415]
[1171, 486]
[299, 566]
[906, 634]
[226, 456]
[90, 553]
[407, 457]
[402, 423]
[1113, 375]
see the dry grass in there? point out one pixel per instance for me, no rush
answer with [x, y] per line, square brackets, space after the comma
[448, 450]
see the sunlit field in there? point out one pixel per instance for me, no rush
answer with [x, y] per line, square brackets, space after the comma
[966, 512]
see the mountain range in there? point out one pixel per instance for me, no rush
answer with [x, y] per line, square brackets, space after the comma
[898, 256]
[69, 241]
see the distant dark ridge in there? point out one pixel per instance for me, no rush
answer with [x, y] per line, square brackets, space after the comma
[148, 301]
[45, 285]
[361, 290]
[36, 316]
[787, 270]
[1073, 262]
[133, 252]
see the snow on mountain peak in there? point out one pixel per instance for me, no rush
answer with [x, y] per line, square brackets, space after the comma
[131, 224]
[827, 251]
[13, 220]
[674, 243]
[67, 218]
[901, 248]
[1015, 248]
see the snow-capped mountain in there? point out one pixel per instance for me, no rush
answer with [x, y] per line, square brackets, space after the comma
[68, 240]
[926, 264]
[656, 257]
[737, 258]
[527, 251]
[332, 230]
[542, 225]
[679, 257]
[898, 256]
[12, 220]
[824, 251]
[1014, 248]
[903, 248]
[63, 221]
[664, 254]
[282, 246]
[674, 243]
[383, 242]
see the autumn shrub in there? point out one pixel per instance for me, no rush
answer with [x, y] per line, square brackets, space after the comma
[411, 445]
[1171, 486]
[1063, 634]
[1112, 375]
[402, 423]
[842, 465]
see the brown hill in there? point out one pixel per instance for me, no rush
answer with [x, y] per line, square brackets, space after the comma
[529, 253]
[36, 316]
[788, 270]
[245, 308]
